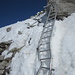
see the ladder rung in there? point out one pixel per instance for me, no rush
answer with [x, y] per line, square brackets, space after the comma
[44, 44]
[46, 37]
[52, 13]
[49, 26]
[45, 58]
[51, 18]
[46, 68]
[44, 51]
[47, 31]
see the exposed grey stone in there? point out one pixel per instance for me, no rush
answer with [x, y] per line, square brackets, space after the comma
[3, 65]
[5, 45]
[8, 63]
[1, 50]
[1, 58]
[8, 59]
[64, 6]
[1, 71]
[8, 29]
[19, 32]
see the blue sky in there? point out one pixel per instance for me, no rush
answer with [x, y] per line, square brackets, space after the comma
[12, 11]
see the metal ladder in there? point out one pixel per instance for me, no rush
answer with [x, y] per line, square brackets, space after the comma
[44, 51]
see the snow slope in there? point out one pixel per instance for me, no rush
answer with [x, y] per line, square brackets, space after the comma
[25, 36]
[63, 46]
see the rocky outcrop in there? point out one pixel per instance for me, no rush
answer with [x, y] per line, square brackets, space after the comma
[5, 62]
[65, 8]
[8, 29]
[4, 46]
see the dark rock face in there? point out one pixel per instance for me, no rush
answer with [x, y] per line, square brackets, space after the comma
[60, 1]
[65, 8]
[4, 46]
[4, 62]
[71, 1]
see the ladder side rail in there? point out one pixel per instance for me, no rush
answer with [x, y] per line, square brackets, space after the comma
[49, 38]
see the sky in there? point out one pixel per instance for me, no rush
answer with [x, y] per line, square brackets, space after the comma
[12, 11]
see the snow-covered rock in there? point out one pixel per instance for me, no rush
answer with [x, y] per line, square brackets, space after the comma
[19, 42]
